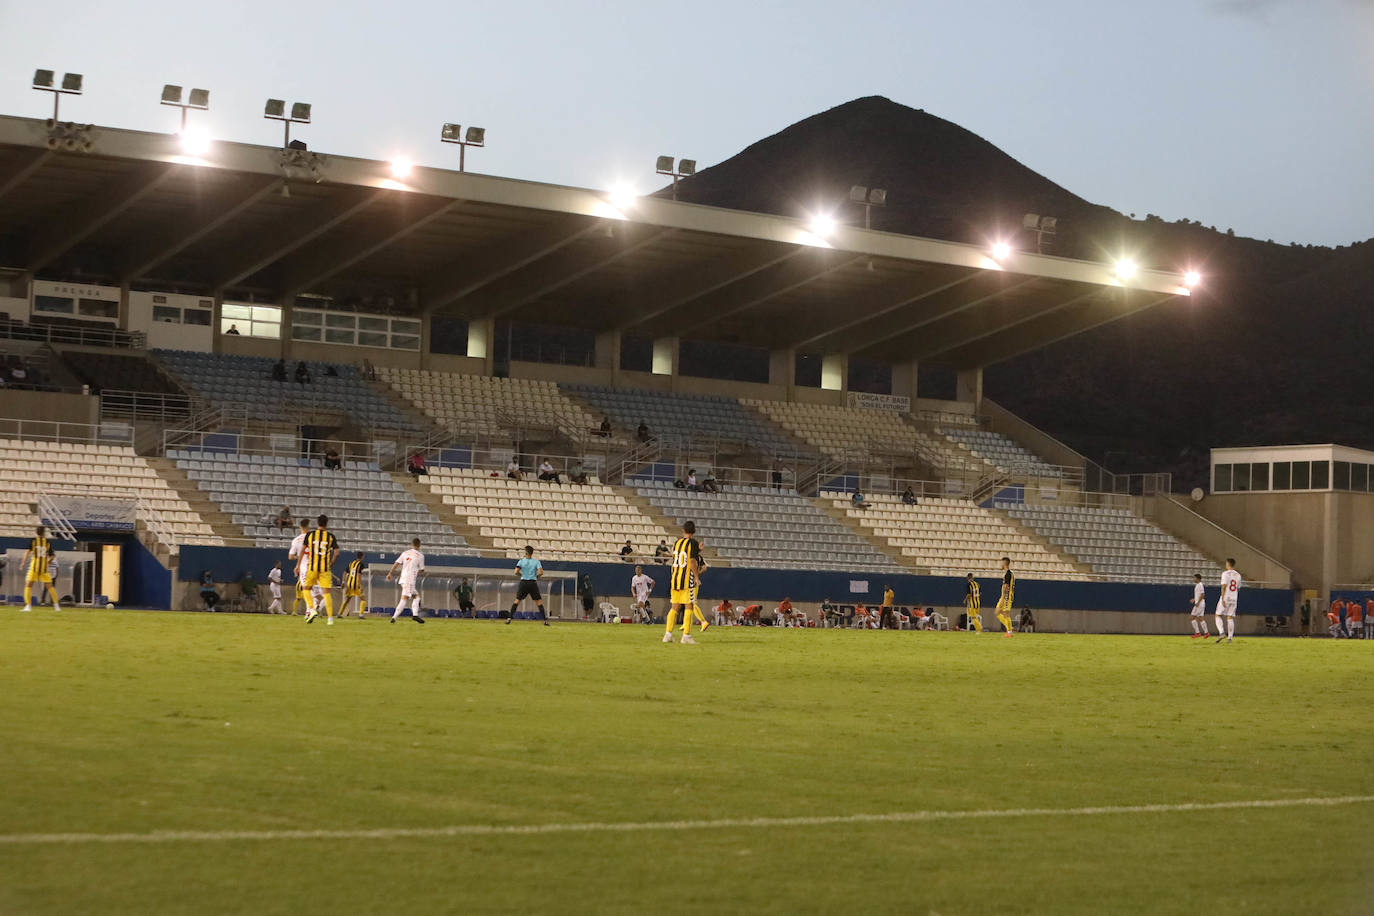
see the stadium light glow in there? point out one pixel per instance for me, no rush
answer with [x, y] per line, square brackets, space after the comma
[1192, 278]
[1125, 269]
[195, 141]
[622, 196]
[822, 224]
[400, 167]
[1001, 251]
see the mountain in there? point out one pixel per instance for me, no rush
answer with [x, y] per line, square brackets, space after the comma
[1268, 352]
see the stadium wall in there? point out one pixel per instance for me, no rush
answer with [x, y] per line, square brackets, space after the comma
[1075, 606]
[54, 406]
[1180, 520]
[143, 581]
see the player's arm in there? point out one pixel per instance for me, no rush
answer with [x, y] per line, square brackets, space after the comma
[394, 566]
[538, 570]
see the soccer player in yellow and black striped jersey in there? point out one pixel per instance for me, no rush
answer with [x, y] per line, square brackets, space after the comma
[353, 585]
[973, 603]
[1008, 594]
[686, 566]
[38, 561]
[320, 551]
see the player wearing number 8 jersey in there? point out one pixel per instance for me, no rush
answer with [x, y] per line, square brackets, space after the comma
[686, 567]
[321, 550]
[1226, 604]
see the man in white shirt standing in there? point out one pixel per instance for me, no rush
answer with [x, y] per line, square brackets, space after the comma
[640, 586]
[1226, 605]
[274, 585]
[1199, 609]
[410, 564]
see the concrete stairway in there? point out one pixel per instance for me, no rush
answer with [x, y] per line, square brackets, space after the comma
[443, 511]
[1038, 538]
[669, 526]
[220, 523]
[879, 544]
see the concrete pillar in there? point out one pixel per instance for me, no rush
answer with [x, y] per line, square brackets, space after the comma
[835, 372]
[607, 356]
[665, 356]
[782, 371]
[423, 361]
[904, 380]
[482, 342]
[287, 306]
[970, 387]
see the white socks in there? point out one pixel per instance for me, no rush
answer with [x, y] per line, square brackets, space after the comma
[1230, 627]
[1195, 623]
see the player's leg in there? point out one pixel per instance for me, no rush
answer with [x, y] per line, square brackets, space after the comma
[1230, 623]
[1221, 621]
[415, 609]
[28, 594]
[699, 617]
[1195, 617]
[672, 623]
[1004, 616]
[52, 592]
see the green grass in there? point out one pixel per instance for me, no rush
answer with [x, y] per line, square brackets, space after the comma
[136, 722]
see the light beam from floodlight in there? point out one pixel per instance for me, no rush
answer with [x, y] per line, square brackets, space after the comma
[43, 81]
[822, 224]
[400, 167]
[453, 133]
[685, 168]
[195, 141]
[1001, 251]
[622, 197]
[1191, 278]
[1125, 269]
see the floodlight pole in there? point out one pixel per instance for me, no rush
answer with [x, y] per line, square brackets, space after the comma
[673, 174]
[57, 93]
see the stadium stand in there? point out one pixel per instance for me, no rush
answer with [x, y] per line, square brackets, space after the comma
[1115, 543]
[760, 527]
[679, 419]
[120, 371]
[29, 466]
[999, 451]
[484, 405]
[841, 431]
[953, 537]
[368, 510]
[224, 380]
[587, 522]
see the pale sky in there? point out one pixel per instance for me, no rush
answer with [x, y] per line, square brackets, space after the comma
[1251, 114]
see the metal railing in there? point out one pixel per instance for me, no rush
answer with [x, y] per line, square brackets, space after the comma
[273, 444]
[144, 405]
[74, 335]
[61, 431]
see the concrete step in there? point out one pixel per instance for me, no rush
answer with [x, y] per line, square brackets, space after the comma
[879, 543]
[220, 522]
[442, 510]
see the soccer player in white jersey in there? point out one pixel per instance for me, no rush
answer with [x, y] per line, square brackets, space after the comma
[1199, 610]
[640, 586]
[302, 566]
[274, 585]
[1226, 605]
[410, 564]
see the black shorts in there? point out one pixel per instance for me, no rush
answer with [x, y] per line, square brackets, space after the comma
[529, 588]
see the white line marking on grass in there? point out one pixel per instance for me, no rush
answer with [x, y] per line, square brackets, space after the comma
[896, 817]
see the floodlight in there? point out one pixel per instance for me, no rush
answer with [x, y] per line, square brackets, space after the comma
[1001, 251]
[200, 98]
[877, 196]
[400, 167]
[276, 108]
[171, 95]
[664, 165]
[1125, 269]
[300, 111]
[451, 133]
[1030, 221]
[71, 82]
[858, 193]
[195, 141]
[1192, 278]
[686, 167]
[476, 136]
[42, 79]
[622, 197]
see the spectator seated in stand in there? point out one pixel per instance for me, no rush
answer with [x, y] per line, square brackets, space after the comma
[285, 521]
[604, 431]
[1026, 622]
[330, 371]
[661, 552]
[302, 373]
[723, 614]
[919, 619]
[709, 484]
[546, 472]
[627, 552]
[908, 497]
[576, 472]
[785, 615]
[415, 465]
[857, 501]
[513, 470]
[279, 371]
[332, 461]
[248, 592]
[692, 483]
[864, 619]
[642, 433]
[829, 614]
[208, 596]
[369, 371]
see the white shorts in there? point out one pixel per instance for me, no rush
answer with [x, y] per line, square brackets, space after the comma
[1226, 610]
[275, 589]
[408, 588]
[640, 599]
[1199, 610]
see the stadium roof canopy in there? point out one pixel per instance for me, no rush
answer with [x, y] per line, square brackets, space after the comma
[131, 208]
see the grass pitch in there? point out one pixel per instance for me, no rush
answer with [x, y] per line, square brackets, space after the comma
[129, 723]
